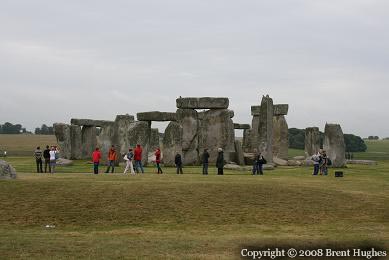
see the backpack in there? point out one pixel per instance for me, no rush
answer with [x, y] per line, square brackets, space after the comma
[56, 155]
[329, 162]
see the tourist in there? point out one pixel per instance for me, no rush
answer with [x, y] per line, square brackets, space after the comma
[53, 159]
[38, 159]
[46, 156]
[324, 163]
[138, 158]
[259, 161]
[220, 161]
[316, 158]
[178, 163]
[205, 158]
[112, 157]
[128, 158]
[158, 159]
[96, 156]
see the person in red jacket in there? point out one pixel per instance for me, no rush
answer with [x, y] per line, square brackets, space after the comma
[158, 159]
[138, 158]
[96, 156]
[112, 157]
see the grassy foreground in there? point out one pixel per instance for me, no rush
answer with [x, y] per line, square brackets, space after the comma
[190, 216]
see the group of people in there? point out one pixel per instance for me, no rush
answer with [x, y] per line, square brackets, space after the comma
[49, 156]
[320, 163]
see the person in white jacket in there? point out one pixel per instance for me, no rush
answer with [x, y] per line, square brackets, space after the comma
[128, 158]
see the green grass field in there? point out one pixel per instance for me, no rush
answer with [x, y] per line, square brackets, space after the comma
[189, 216]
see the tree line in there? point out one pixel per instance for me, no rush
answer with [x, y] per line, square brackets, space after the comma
[9, 128]
[353, 143]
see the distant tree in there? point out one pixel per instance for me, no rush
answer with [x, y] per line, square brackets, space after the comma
[9, 128]
[44, 130]
[354, 143]
[373, 137]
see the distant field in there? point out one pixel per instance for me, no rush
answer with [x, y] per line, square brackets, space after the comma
[24, 144]
[376, 150]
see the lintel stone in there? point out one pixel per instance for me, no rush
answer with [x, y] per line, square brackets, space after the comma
[156, 116]
[202, 103]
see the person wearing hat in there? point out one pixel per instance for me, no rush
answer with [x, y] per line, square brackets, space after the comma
[220, 161]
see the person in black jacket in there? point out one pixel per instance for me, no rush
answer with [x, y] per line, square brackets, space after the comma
[259, 160]
[220, 161]
[205, 158]
[46, 156]
[178, 162]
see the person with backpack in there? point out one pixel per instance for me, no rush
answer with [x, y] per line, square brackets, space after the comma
[259, 161]
[158, 160]
[205, 158]
[96, 156]
[325, 161]
[112, 157]
[138, 158]
[178, 163]
[220, 161]
[46, 156]
[316, 158]
[128, 158]
[38, 159]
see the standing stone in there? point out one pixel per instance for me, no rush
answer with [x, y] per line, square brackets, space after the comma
[62, 133]
[239, 153]
[154, 139]
[88, 141]
[122, 132]
[172, 143]
[247, 140]
[106, 140]
[139, 133]
[334, 144]
[265, 129]
[312, 141]
[75, 142]
[216, 130]
[254, 133]
[7, 171]
[280, 137]
[188, 119]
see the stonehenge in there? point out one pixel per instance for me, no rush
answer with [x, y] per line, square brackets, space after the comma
[198, 123]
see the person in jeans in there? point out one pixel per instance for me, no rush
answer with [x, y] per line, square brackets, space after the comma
[324, 163]
[178, 163]
[259, 161]
[53, 159]
[112, 157]
[220, 161]
[129, 157]
[96, 156]
[158, 160]
[38, 159]
[46, 156]
[205, 158]
[316, 158]
[138, 158]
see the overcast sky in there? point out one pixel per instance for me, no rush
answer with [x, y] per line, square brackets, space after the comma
[329, 60]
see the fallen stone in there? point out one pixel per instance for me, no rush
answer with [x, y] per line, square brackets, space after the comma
[280, 162]
[294, 163]
[363, 162]
[7, 171]
[241, 126]
[246, 168]
[90, 122]
[299, 158]
[202, 103]
[63, 162]
[156, 116]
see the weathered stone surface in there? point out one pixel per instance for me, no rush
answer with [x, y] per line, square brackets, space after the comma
[299, 158]
[106, 140]
[188, 119]
[122, 126]
[231, 113]
[62, 133]
[312, 141]
[6, 170]
[334, 144]
[63, 162]
[156, 116]
[280, 137]
[172, 143]
[254, 133]
[246, 140]
[90, 122]
[154, 139]
[139, 133]
[216, 130]
[202, 103]
[280, 109]
[75, 142]
[294, 163]
[88, 141]
[239, 153]
[265, 129]
[255, 110]
[280, 162]
[241, 126]
[265, 167]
